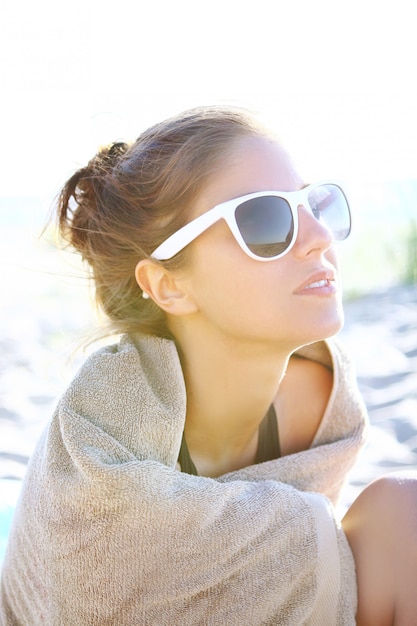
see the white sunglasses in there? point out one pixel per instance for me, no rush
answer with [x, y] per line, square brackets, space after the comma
[265, 224]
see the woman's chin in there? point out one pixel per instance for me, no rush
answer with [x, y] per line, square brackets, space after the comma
[333, 327]
[327, 327]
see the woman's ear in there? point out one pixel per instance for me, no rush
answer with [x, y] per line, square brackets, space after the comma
[165, 289]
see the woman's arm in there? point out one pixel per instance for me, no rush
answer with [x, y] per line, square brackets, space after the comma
[381, 527]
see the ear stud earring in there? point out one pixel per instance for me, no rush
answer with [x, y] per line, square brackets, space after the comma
[145, 295]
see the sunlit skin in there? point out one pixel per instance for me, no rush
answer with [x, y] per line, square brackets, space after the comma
[237, 320]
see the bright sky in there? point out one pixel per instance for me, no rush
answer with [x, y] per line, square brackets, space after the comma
[336, 79]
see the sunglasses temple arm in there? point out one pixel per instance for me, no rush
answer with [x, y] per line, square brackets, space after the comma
[185, 235]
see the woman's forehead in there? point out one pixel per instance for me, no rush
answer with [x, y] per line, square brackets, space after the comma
[253, 164]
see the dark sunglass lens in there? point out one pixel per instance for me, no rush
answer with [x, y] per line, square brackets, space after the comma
[329, 205]
[266, 225]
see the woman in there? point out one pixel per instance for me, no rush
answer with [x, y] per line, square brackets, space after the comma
[186, 475]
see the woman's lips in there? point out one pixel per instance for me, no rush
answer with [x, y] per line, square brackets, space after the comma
[318, 283]
[323, 283]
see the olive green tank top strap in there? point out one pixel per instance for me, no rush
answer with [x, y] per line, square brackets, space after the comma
[268, 439]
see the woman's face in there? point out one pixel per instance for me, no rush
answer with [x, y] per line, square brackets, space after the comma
[288, 302]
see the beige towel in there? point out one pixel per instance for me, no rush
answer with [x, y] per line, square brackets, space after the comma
[107, 531]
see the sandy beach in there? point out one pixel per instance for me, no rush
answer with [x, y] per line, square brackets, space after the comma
[40, 327]
[381, 334]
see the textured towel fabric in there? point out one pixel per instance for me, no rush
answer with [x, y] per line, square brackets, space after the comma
[107, 531]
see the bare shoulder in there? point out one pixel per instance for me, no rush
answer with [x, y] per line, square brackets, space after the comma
[301, 402]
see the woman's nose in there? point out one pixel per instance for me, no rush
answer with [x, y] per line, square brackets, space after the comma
[313, 235]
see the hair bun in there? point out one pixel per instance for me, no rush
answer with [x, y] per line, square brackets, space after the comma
[85, 195]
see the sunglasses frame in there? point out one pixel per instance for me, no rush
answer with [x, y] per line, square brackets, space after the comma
[226, 210]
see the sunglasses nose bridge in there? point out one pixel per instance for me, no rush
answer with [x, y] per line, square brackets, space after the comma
[316, 227]
[302, 201]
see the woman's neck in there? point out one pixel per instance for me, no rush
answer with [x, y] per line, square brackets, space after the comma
[229, 390]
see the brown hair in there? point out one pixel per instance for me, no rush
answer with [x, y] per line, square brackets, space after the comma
[131, 197]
